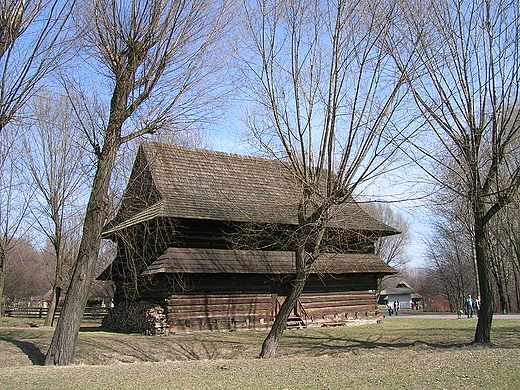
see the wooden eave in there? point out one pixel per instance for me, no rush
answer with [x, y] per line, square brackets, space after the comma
[224, 261]
[152, 212]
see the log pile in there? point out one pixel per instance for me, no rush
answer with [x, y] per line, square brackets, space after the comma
[139, 317]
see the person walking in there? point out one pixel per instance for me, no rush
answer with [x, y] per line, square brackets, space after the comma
[470, 306]
[396, 307]
[389, 308]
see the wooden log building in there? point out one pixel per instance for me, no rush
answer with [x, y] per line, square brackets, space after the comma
[204, 243]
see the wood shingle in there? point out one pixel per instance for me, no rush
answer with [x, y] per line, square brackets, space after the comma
[194, 183]
[195, 260]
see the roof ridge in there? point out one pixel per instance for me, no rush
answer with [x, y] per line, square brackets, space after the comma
[210, 151]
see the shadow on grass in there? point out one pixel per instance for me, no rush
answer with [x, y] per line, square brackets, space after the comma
[329, 344]
[92, 328]
[32, 351]
[337, 342]
[368, 344]
[167, 348]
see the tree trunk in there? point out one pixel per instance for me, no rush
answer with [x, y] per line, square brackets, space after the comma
[501, 281]
[483, 331]
[517, 290]
[503, 296]
[53, 305]
[275, 334]
[63, 344]
[58, 274]
[310, 230]
[2, 279]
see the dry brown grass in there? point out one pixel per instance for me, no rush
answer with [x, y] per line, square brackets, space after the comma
[399, 353]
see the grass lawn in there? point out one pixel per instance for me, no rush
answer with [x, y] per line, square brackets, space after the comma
[405, 353]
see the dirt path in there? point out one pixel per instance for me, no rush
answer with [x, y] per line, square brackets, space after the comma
[418, 314]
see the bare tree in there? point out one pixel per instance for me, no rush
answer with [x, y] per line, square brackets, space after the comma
[28, 274]
[31, 46]
[155, 55]
[450, 251]
[504, 248]
[392, 250]
[55, 161]
[450, 258]
[323, 101]
[14, 201]
[465, 82]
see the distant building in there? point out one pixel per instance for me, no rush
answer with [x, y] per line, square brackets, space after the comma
[403, 293]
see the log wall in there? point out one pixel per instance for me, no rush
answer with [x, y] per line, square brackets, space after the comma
[234, 302]
[219, 311]
[252, 302]
[338, 308]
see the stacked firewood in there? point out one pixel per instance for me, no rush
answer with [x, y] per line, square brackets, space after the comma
[138, 317]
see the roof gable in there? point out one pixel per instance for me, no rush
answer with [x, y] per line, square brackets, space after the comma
[141, 192]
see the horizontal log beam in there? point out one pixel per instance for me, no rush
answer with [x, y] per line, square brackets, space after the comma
[236, 308]
[318, 312]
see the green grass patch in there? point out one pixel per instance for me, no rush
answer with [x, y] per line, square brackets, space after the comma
[405, 353]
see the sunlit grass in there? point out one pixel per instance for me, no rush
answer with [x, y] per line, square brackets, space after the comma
[399, 353]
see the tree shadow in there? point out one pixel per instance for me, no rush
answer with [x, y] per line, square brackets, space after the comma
[334, 345]
[92, 329]
[32, 351]
[373, 344]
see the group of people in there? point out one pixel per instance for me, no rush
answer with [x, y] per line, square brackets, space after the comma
[393, 307]
[472, 306]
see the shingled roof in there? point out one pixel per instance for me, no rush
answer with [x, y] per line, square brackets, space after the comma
[192, 260]
[180, 182]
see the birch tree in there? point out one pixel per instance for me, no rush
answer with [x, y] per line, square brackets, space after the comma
[155, 56]
[324, 101]
[465, 82]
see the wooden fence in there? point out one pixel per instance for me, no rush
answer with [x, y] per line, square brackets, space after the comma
[91, 313]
